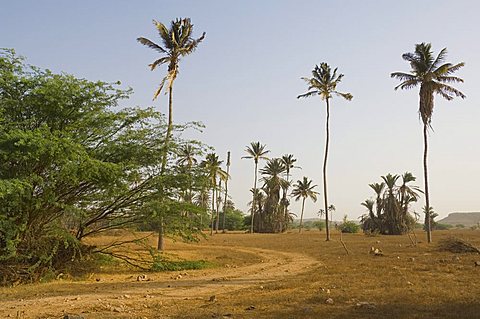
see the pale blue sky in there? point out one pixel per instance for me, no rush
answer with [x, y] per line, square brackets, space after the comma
[243, 80]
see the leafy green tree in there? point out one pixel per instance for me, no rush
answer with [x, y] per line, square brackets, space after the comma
[433, 75]
[255, 151]
[72, 164]
[324, 83]
[303, 189]
[177, 43]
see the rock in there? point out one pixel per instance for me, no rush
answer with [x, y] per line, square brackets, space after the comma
[477, 264]
[142, 277]
[329, 301]
[409, 283]
[250, 308]
[212, 298]
[365, 304]
[456, 258]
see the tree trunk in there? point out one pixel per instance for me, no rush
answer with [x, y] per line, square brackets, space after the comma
[253, 200]
[213, 209]
[169, 129]
[226, 193]
[301, 216]
[325, 198]
[425, 177]
[217, 218]
[161, 241]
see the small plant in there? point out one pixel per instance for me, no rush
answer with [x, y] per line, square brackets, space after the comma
[348, 226]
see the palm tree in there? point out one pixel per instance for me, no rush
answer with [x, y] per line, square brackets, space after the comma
[226, 192]
[289, 162]
[186, 159]
[273, 182]
[177, 43]
[304, 189]
[324, 83]
[255, 151]
[212, 166]
[432, 75]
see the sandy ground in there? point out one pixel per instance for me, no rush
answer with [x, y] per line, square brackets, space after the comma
[272, 276]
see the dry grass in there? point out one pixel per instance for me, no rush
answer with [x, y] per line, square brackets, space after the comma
[269, 273]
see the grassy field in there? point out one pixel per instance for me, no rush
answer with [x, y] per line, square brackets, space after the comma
[287, 275]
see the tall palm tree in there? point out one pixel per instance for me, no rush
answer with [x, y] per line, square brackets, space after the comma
[177, 43]
[186, 159]
[324, 84]
[289, 162]
[433, 75]
[304, 189]
[226, 192]
[255, 151]
[212, 166]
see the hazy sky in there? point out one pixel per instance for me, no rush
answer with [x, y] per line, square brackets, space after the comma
[243, 80]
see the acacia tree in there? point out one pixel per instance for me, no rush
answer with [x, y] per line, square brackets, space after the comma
[304, 189]
[177, 43]
[255, 151]
[432, 74]
[324, 83]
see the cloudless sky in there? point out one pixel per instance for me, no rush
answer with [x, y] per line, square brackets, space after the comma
[243, 80]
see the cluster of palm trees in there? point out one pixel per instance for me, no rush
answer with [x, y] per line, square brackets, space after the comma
[432, 74]
[269, 206]
[389, 212]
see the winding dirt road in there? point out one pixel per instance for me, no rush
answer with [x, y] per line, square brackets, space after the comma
[162, 295]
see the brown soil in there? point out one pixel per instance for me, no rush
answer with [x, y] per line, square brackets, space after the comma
[273, 276]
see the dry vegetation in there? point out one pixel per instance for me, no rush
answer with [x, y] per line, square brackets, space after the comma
[287, 275]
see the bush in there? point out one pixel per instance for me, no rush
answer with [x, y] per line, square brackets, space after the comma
[442, 226]
[349, 227]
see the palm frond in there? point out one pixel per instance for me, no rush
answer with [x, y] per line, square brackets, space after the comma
[152, 45]
[308, 94]
[159, 62]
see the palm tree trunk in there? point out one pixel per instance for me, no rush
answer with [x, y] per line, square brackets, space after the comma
[226, 193]
[253, 200]
[301, 216]
[160, 245]
[325, 198]
[213, 209]
[161, 241]
[425, 176]
[169, 128]
[217, 218]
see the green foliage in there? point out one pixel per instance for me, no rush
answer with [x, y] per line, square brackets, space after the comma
[389, 212]
[234, 220]
[439, 226]
[73, 164]
[348, 226]
[459, 226]
[163, 263]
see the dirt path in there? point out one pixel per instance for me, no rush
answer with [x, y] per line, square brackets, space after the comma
[122, 296]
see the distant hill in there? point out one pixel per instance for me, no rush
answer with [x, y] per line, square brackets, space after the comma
[466, 219]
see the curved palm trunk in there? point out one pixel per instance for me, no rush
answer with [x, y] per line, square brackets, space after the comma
[217, 214]
[325, 197]
[425, 176]
[161, 241]
[301, 216]
[161, 231]
[213, 208]
[253, 200]
[226, 193]
[169, 128]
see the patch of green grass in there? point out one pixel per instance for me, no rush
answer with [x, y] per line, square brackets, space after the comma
[169, 265]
